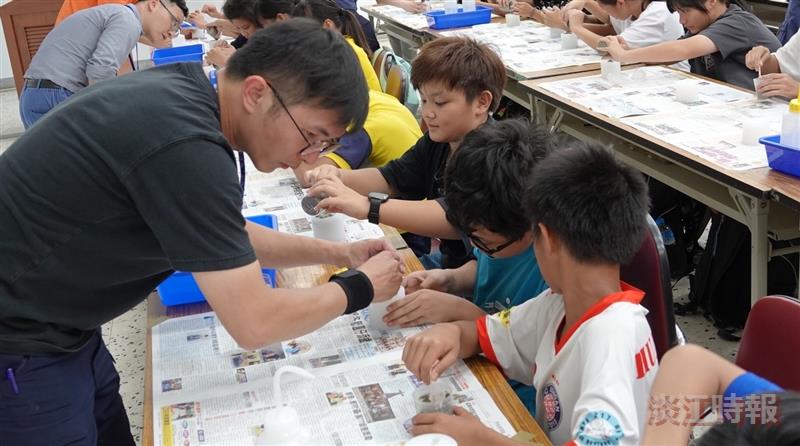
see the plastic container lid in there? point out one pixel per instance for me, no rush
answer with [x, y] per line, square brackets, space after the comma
[794, 106]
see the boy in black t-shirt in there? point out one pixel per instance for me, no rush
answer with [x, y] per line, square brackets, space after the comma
[461, 82]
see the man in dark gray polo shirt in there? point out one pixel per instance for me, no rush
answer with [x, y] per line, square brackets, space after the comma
[90, 46]
[96, 211]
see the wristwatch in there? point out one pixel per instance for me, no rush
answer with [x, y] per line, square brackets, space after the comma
[357, 287]
[375, 201]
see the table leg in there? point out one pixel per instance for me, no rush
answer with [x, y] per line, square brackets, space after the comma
[756, 213]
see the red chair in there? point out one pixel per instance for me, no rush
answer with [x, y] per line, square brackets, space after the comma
[770, 345]
[649, 271]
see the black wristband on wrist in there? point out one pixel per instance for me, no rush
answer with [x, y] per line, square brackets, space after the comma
[357, 287]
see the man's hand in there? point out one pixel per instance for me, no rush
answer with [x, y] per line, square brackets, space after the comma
[359, 252]
[778, 84]
[339, 198]
[422, 307]
[431, 352]
[462, 426]
[212, 11]
[385, 271]
[220, 54]
[756, 57]
[197, 19]
[432, 279]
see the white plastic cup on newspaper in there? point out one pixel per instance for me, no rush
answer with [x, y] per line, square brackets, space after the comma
[432, 440]
[756, 84]
[468, 5]
[569, 41]
[555, 33]
[378, 309]
[436, 397]
[512, 19]
[686, 91]
[450, 6]
[752, 130]
[609, 68]
[329, 227]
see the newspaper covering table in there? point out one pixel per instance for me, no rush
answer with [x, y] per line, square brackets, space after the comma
[279, 193]
[528, 47]
[403, 17]
[710, 127]
[208, 391]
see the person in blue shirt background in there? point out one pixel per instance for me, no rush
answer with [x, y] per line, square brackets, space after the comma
[791, 22]
[483, 184]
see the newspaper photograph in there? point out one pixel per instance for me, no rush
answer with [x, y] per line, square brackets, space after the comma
[207, 391]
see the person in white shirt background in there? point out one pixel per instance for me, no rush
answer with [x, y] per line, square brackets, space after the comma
[780, 71]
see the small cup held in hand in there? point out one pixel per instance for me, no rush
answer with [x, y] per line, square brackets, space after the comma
[378, 309]
[435, 397]
[756, 84]
[512, 19]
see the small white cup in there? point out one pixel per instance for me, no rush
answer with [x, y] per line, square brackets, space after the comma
[437, 397]
[555, 33]
[378, 309]
[431, 440]
[329, 227]
[686, 91]
[756, 83]
[450, 6]
[569, 41]
[752, 130]
[512, 19]
[609, 68]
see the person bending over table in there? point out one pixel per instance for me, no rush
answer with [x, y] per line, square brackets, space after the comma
[96, 213]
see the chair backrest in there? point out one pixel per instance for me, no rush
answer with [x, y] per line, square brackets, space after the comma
[396, 84]
[649, 271]
[770, 344]
[379, 60]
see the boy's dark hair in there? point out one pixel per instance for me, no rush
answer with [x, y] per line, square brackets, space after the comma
[460, 63]
[486, 177]
[180, 3]
[674, 5]
[240, 9]
[308, 64]
[344, 20]
[269, 9]
[596, 205]
[784, 431]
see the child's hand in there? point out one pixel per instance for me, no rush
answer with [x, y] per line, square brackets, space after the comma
[197, 19]
[524, 9]
[432, 279]
[414, 7]
[431, 352]
[462, 426]
[576, 5]
[339, 198]
[553, 17]
[212, 11]
[421, 307]
[219, 55]
[756, 57]
[324, 171]
[575, 18]
[614, 48]
[778, 84]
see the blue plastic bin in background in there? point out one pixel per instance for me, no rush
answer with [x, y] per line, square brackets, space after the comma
[438, 19]
[180, 288]
[186, 53]
[781, 157]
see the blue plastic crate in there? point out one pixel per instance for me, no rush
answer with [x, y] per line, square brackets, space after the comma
[438, 19]
[782, 157]
[186, 53]
[180, 288]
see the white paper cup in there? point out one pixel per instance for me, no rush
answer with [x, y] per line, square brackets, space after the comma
[328, 227]
[433, 398]
[450, 6]
[752, 130]
[569, 41]
[756, 83]
[378, 309]
[555, 33]
[512, 19]
[609, 68]
[432, 440]
[686, 91]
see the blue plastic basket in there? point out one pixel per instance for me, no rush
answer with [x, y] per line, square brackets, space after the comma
[186, 53]
[180, 288]
[782, 157]
[438, 19]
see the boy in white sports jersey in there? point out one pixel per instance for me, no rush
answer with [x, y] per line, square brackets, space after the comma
[585, 343]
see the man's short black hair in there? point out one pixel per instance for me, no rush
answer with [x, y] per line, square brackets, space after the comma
[180, 3]
[306, 63]
[596, 205]
[269, 9]
[241, 9]
[485, 179]
[783, 431]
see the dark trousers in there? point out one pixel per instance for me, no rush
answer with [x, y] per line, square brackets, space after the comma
[65, 399]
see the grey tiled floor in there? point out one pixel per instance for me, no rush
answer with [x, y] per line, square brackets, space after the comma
[125, 335]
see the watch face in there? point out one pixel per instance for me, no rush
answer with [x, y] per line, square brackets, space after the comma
[379, 196]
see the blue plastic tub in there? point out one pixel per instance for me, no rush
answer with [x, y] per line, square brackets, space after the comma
[439, 20]
[180, 288]
[186, 53]
[781, 157]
